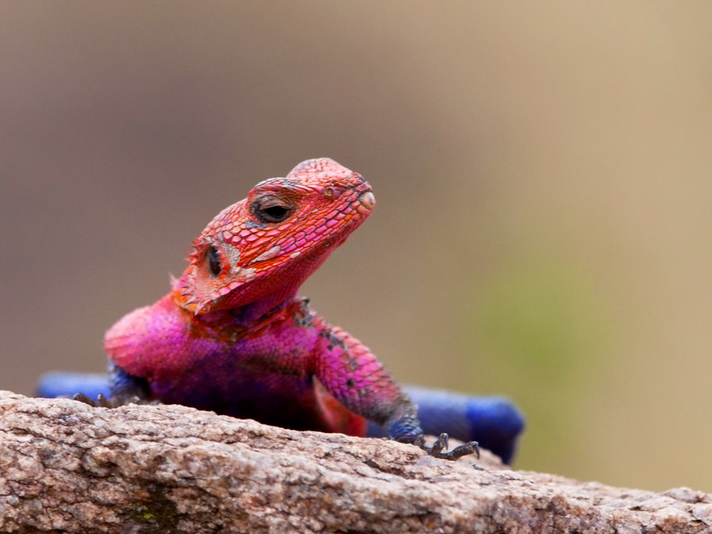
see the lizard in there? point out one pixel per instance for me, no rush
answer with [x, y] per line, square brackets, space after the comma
[234, 337]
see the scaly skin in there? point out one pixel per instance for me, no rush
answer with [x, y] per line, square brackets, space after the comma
[233, 337]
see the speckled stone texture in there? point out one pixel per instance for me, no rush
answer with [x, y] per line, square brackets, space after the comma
[67, 467]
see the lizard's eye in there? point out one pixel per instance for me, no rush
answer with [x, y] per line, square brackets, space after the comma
[214, 264]
[271, 209]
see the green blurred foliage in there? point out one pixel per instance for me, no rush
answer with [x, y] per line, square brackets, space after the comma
[540, 333]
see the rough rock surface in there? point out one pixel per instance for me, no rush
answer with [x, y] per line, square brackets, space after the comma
[67, 467]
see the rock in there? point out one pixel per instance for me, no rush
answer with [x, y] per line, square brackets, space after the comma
[68, 467]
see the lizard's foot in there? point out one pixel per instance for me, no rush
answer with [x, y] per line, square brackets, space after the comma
[440, 445]
[102, 402]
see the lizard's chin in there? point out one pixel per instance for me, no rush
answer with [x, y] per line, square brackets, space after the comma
[193, 305]
[186, 295]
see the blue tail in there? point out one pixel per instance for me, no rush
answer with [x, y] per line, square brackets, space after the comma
[63, 384]
[494, 422]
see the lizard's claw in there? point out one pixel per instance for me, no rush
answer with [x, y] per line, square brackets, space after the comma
[440, 445]
[103, 401]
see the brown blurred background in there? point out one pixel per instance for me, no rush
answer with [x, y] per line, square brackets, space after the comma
[542, 171]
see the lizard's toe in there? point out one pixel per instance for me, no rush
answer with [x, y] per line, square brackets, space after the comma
[86, 400]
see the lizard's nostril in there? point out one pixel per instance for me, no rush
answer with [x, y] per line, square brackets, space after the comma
[367, 200]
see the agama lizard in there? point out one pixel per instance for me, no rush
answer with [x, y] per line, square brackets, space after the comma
[233, 337]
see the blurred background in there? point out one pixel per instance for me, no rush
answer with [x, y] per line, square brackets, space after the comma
[542, 172]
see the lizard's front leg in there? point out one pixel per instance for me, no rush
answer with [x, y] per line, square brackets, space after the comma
[353, 375]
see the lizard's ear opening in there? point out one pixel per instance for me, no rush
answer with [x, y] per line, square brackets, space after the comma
[214, 262]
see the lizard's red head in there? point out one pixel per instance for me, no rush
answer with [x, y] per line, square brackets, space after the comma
[270, 242]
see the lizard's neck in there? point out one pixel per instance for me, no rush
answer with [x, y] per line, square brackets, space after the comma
[254, 312]
[245, 316]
